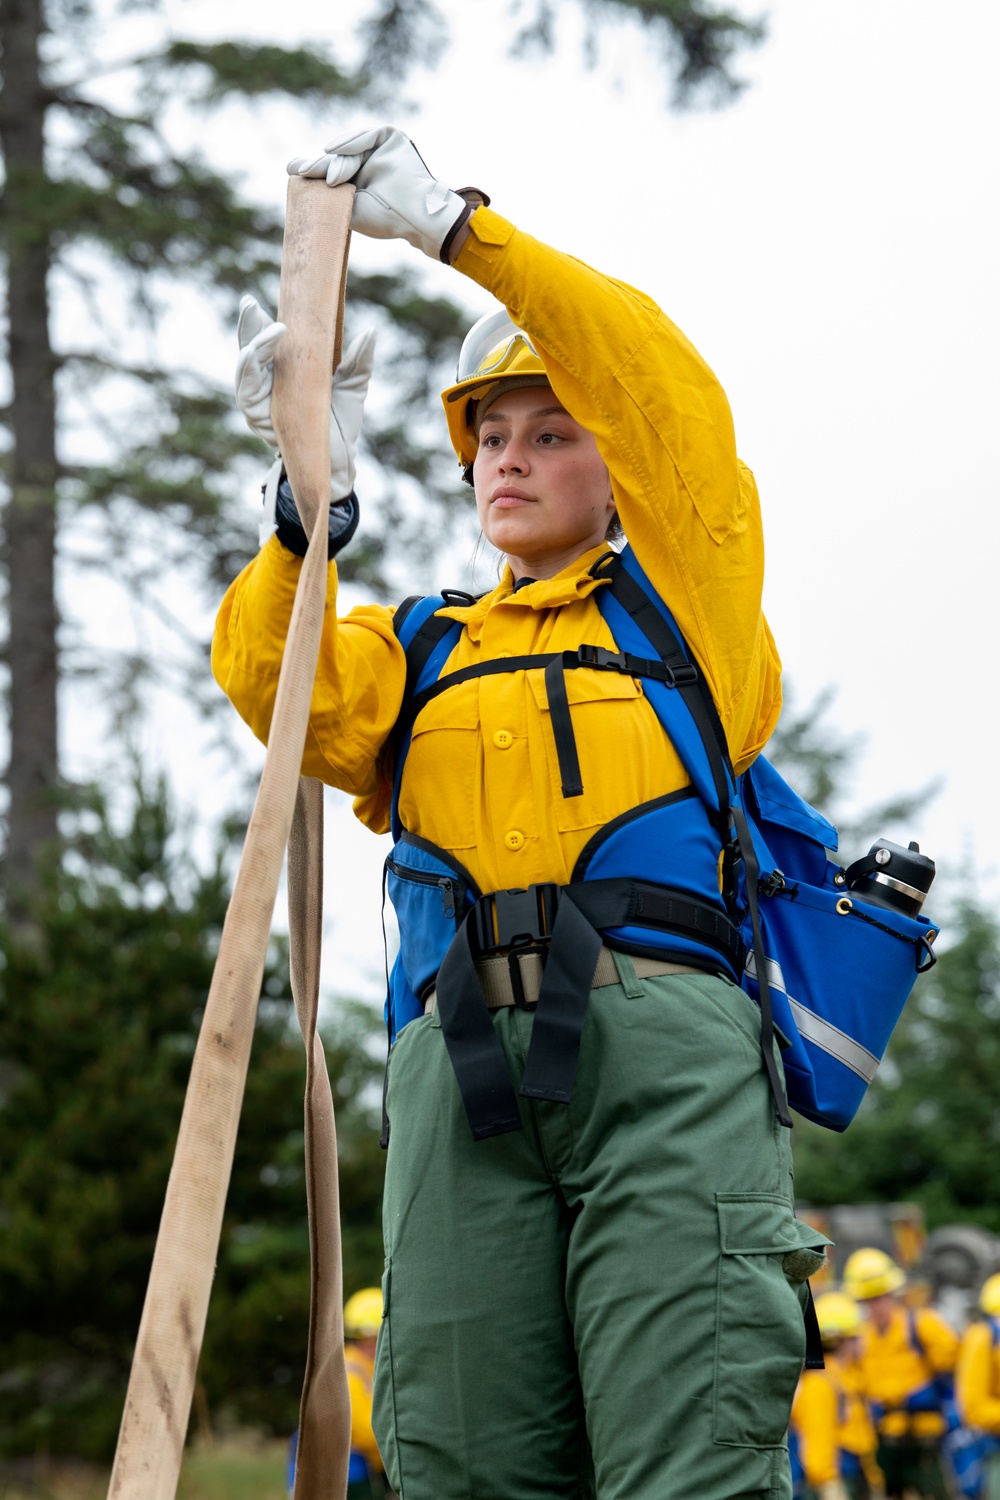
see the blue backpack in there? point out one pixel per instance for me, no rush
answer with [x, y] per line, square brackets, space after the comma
[838, 970]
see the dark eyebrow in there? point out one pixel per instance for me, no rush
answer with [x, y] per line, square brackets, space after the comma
[543, 411]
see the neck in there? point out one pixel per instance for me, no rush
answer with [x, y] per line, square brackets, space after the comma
[548, 564]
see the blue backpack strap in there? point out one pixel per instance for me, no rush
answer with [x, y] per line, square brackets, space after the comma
[428, 640]
[638, 618]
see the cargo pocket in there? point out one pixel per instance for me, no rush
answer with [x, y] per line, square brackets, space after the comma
[384, 1392]
[760, 1336]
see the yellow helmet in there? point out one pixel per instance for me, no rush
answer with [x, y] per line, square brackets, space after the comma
[495, 353]
[839, 1316]
[989, 1296]
[363, 1314]
[871, 1273]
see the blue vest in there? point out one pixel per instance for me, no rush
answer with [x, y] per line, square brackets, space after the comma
[706, 875]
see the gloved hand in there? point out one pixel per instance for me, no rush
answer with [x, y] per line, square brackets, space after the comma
[396, 198]
[259, 336]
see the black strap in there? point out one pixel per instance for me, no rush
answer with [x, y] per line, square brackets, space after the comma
[760, 965]
[562, 728]
[571, 944]
[402, 610]
[700, 703]
[473, 1046]
[425, 638]
[554, 1050]
[706, 717]
[596, 658]
[639, 903]
[814, 1339]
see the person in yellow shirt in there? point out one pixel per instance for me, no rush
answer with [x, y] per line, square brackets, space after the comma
[977, 1384]
[831, 1436]
[362, 1321]
[907, 1358]
[366, 1473]
[594, 1276]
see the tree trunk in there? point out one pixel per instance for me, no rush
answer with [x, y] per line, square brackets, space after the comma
[32, 773]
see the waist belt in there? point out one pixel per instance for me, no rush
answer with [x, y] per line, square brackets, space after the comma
[560, 924]
[515, 978]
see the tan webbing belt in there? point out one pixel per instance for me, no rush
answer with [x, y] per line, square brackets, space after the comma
[158, 1402]
[498, 987]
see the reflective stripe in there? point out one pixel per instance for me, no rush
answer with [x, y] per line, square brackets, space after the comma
[821, 1033]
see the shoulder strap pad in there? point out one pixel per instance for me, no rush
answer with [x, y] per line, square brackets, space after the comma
[428, 640]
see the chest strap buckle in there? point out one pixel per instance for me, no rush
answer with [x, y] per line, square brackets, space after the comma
[511, 919]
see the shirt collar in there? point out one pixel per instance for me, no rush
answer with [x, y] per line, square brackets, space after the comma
[574, 582]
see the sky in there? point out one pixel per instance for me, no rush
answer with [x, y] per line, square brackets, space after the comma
[830, 245]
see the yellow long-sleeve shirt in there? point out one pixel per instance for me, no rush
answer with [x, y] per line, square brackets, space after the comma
[830, 1417]
[481, 778]
[977, 1378]
[893, 1368]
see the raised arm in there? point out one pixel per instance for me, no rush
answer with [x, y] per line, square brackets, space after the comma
[623, 370]
[362, 669]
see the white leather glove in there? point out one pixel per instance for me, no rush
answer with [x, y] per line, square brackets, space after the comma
[259, 336]
[396, 198]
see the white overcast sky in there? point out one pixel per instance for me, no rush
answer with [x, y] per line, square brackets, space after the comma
[830, 243]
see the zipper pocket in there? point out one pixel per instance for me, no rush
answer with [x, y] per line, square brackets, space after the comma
[452, 890]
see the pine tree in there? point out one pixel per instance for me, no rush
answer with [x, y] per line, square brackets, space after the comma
[98, 1021]
[99, 201]
[929, 1129]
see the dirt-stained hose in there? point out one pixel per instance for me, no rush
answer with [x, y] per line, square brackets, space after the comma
[158, 1402]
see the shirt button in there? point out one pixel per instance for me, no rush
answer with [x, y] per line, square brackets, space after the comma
[503, 739]
[514, 839]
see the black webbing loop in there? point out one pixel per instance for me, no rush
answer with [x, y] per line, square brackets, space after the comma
[814, 1339]
[562, 726]
[752, 874]
[554, 1050]
[625, 902]
[473, 1046]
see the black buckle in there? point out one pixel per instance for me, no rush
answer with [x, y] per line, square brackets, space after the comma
[600, 656]
[512, 919]
[683, 676]
[771, 885]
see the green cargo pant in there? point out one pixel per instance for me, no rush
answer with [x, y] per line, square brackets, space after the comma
[594, 1305]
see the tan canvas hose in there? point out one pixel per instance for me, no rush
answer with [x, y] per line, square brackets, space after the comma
[158, 1402]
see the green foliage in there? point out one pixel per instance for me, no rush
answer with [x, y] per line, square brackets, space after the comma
[699, 42]
[246, 70]
[929, 1129]
[98, 1022]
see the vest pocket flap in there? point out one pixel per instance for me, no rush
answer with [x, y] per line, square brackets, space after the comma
[778, 803]
[762, 1224]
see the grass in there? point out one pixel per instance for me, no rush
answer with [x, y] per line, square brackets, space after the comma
[238, 1468]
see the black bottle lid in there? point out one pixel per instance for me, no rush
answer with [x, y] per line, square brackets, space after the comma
[891, 876]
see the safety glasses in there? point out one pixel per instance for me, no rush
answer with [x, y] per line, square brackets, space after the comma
[490, 347]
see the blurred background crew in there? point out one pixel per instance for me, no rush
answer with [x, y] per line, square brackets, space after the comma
[906, 1357]
[832, 1438]
[978, 1385]
[362, 1320]
[366, 1474]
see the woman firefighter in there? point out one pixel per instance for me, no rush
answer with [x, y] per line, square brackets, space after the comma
[594, 1279]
